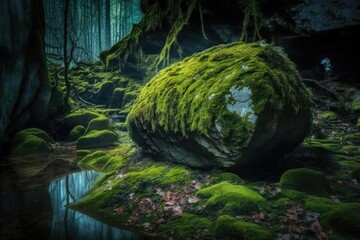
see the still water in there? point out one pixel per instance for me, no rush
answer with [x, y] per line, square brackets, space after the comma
[33, 198]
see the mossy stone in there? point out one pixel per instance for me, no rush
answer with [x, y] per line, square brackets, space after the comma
[82, 153]
[105, 92]
[305, 180]
[100, 123]
[232, 199]
[358, 124]
[31, 142]
[355, 105]
[76, 133]
[95, 161]
[97, 139]
[226, 176]
[343, 217]
[228, 227]
[229, 106]
[79, 117]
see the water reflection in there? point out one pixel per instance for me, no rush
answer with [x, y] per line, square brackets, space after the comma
[33, 195]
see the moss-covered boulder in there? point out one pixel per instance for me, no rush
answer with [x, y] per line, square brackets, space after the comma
[96, 161]
[232, 199]
[97, 139]
[76, 133]
[100, 123]
[105, 92]
[31, 141]
[79, 117]
[117, 98]
[305, 180]
[229, 106]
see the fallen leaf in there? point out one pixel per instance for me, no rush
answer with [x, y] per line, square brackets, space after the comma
[198, 185]
[193, 199]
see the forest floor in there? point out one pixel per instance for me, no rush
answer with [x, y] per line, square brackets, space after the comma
[312, 194]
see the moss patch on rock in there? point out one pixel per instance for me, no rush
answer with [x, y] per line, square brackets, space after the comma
[95, 161]
[79, 117]
[100, 123]
[305, 180]
[97, 139]
[31, 141]
[233, 228]
[76, 133]
[229, 198]
[226, 176]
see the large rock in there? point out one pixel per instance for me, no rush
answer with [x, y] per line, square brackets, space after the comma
[229, 106]
[24, 83]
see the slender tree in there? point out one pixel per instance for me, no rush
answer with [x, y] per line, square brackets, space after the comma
[108, 23]
[66, 60]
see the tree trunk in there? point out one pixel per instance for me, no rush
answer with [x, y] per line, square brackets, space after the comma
[66, 62]
[108, 23]
[99, 23]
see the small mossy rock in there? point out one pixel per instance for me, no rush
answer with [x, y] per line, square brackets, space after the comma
[82, 153]
[117, 98]
[97, 139]
[76, 133]
[100, 123]
[342, 217]
[229, 106]
[232, 199]
[228, 227]
[79, 117]
[31, 141]
[105, 92]
[226, 176]
[355, 105]
[305, 180]
[95, 161]
[353, 137]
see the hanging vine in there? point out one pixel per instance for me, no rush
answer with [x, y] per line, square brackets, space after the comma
[171, 40]
[251, 12]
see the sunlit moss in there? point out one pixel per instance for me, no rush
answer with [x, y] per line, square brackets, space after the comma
[191, 96]
[95, 161]
[327, 115]
[231, 199]
[80, 117]
[233, 228]
[305, 180]
[97, 139]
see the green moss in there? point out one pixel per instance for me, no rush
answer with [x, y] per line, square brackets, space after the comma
[114, 164]
[354, 137]
[358, 124]
[149, 174]
[355, 105]
[233, 199]
[281, 202]
[31, 141]
[82, 153]
[231, 228]
[343, 217]
[187, 227]
[293, 195]
[100, 123]
[327, 115]
[226, 176]
[305, 180]
[176, 175]
[117, 97]
[356, 173]
[193, 95]
[76, 133]
[97, 139]
[95, 161]
[79, 117]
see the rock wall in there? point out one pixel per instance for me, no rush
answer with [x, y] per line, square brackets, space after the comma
[24, 82]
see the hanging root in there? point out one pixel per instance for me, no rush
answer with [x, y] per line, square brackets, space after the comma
[251, 11]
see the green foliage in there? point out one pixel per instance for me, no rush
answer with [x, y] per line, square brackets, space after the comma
[233, 228]
[76, 133]
[305, 180]
[97, 139]
[31, 141]
[193, 95]
[327, 115]
[232, 199]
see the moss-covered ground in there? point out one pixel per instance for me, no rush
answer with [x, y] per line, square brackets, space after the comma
[314, 194]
